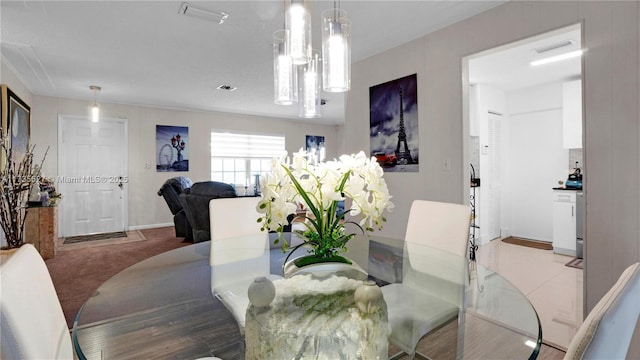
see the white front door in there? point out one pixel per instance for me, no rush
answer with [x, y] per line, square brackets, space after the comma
[92, 175]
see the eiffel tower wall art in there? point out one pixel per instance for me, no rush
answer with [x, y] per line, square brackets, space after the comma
[393, 119]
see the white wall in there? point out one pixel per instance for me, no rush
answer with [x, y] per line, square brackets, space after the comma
[535, 158]
[9, 78]
[611, 131]
[436, 128]
[146, 208]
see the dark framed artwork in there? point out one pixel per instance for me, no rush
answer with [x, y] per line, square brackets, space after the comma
[393, 120]
[16, 123]
[172, 148]
[315, 145]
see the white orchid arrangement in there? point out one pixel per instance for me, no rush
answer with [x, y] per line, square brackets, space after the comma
[319, 188]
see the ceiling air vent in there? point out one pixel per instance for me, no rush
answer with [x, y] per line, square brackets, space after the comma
[557, 45]
[203, 14]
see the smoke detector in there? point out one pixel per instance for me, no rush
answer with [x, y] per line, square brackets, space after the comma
[226, 87]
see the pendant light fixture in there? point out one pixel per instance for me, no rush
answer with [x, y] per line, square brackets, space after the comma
[309, 96]
[299, 36]
[297, 69]
[95, 110]
[285, 77]
[336, 50]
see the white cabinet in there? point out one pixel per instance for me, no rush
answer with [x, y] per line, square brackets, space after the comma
[572, 114]
[564, 222]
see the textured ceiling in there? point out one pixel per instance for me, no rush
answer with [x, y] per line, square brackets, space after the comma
[509, 67]
[145, 53]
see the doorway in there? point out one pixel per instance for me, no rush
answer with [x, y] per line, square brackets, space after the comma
[515, 122]
[539, 146]
[92, 175]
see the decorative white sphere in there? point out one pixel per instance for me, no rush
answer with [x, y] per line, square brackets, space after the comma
[368, 297]
[261, 292]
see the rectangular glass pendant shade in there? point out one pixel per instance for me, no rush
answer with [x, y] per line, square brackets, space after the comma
[309, 103]
[336, 51]
[95, 113]
[299, 31]
[285, 78]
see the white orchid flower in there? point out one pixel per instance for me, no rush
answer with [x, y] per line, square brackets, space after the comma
[319, 187]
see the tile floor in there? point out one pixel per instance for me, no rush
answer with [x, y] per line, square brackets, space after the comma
[555, 290]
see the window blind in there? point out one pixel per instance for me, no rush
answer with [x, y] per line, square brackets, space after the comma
[246, 145]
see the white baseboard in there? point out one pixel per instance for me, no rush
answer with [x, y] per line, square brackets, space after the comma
[562, 251]
[150, 226]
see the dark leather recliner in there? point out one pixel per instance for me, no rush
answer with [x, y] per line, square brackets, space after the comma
[171, 190]
[196, 205]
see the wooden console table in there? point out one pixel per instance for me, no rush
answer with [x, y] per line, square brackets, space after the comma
[41, 230]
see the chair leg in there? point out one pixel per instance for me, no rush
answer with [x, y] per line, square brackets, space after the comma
[415, 355]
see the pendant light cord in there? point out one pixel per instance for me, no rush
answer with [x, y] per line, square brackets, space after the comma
[335, 11]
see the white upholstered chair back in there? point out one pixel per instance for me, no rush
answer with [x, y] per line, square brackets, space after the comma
[32, 323]
[233, 217]
[235, 264]
[432, 289]
[608, 330]
[440, 225]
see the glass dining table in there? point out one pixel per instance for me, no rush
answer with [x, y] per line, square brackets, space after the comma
[164, 307]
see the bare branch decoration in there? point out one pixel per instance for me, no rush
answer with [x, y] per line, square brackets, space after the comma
[17, 179]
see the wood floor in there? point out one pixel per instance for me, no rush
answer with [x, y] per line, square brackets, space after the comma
[166, 333]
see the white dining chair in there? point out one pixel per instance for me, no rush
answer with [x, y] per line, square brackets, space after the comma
[235, 264]
[608, 330]
[32, 324]
[432, 289]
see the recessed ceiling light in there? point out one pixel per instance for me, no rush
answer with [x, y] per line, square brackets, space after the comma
[560, 57]
[554, 46]
[226, 88]
[203, 14]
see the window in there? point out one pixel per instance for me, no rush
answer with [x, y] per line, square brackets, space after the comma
[237, 158]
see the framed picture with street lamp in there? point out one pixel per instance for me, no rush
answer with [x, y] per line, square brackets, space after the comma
[172, 148]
